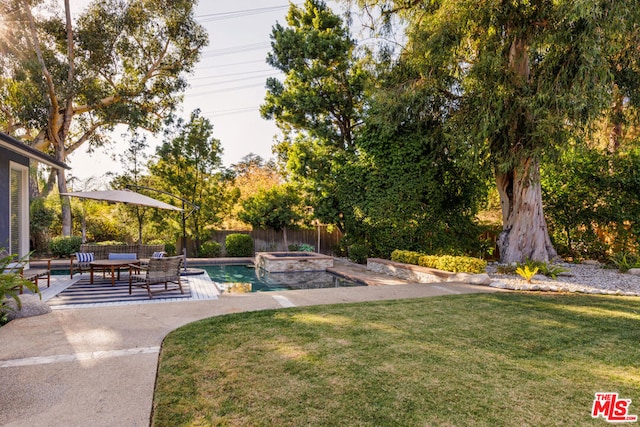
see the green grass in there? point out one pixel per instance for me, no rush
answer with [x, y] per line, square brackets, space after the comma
[481, 360]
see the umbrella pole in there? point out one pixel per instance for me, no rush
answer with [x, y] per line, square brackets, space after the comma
[184, 237]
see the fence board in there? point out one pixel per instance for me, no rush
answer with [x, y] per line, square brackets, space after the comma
[273, 241]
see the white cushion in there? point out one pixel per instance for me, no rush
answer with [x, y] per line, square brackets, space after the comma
[158, 254]
[84, 257]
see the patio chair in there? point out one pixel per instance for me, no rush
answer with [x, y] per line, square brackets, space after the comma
[34, 274]
[159, 271]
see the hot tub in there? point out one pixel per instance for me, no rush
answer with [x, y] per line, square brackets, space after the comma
[284, 262]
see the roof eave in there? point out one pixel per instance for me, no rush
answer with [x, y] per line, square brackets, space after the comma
[21, 148]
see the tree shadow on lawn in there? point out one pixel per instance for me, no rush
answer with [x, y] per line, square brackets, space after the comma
[485, 359]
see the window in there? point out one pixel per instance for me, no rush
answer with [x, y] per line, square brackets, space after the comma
[19, 210]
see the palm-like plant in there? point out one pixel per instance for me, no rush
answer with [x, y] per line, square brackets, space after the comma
[11, 282]
[527, 272]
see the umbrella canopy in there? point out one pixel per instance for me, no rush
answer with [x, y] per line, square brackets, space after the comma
[123, 196]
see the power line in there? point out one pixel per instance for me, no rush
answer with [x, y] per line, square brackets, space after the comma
[211, 17]
[229, 89]
[231, 112]
[236, 49]
[233, 74]
[233, 64]
[270, 74]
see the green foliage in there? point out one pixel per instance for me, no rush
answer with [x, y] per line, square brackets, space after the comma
[358, 252]
[547, 269]
[591, 202]
[454, 263]
[110, 243]
[41, 218]
[129, 64]
[114, 63]
[189, 166]
[527, 272]
[239, 245]
[170, 249]
[323, 86]
[210, 249]
[624, 261]
[11, 281]
[303, 247]
[518, 82]
[406, 257]
[65, 246]
[278, 207]
[441, 262]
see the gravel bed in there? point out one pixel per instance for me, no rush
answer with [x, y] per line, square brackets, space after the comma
[585, 278]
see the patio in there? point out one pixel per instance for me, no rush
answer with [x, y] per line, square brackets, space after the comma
[65, 292]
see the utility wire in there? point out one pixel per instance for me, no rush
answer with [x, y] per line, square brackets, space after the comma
[229, 89]
[211, 17]
[235, 49]
[233, 74]
[231, 112]
[270, 74]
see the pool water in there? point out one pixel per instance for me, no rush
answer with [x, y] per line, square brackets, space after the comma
[243, 279]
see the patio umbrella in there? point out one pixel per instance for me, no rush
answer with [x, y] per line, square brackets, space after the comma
[123, 196]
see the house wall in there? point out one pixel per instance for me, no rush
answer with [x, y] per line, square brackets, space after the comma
[6, 157]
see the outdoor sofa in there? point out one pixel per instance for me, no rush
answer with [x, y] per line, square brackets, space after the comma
[81, 260]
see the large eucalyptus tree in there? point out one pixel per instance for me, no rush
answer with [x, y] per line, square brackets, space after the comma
[66, 82]
[524, 79]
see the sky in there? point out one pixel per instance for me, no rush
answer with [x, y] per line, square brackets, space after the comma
[228, 85]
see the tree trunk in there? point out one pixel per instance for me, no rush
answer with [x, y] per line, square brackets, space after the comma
[284, 235]
[64, 203]
[524, 229]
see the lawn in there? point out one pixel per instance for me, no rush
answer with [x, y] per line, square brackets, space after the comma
[481, 360]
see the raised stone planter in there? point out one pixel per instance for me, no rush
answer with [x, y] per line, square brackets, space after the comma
[413, 273]
[416, 273]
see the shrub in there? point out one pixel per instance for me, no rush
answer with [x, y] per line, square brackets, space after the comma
[110, 243]
[625, 261]
[65, 246]
[464, 264]
[210, 249]
[239, 245]
[430, 261]
[441, 262]
[294, 247]
[544, 268]
[406, 257]
[305, 247]
[358, 253]
[170, 249]
[527, 272]
[11, 281]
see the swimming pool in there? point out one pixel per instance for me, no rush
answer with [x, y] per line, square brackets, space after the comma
[243, 279]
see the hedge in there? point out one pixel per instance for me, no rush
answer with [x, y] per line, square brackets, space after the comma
[451, 263]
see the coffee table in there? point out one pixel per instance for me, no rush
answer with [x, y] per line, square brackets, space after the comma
[112, 265]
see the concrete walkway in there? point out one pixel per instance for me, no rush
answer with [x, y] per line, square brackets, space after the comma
[97, 366]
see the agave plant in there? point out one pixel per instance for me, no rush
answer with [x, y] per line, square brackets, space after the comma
[527, 272]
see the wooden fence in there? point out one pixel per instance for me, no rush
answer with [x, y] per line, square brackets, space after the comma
[273, 241]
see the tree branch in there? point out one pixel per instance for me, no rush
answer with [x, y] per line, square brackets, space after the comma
[36, 45]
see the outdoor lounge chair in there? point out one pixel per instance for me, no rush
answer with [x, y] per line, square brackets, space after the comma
[159, 271]
[34, 274]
